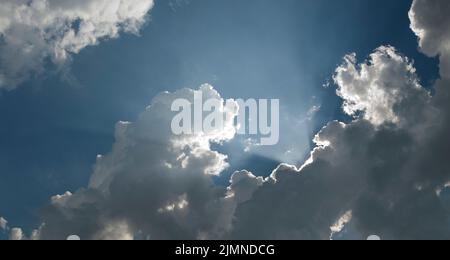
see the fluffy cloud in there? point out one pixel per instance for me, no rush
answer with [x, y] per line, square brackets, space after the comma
[430, 20]
[153, 184]
[16, 234]
[384, 173]
[37, 31]
[380, 87]
[242, 186]
[380, 174]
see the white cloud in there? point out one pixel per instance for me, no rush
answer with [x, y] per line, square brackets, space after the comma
[242, 186]
[378, 87]
[16, 234]
[32, 32]
[378, 174]
[430, 21]
[153, 183]
[3, 223]
[341, 223]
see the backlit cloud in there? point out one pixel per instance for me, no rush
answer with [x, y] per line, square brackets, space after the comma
[386, 172]
[153, 184]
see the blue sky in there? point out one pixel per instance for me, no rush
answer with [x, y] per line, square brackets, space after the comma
[54, 126]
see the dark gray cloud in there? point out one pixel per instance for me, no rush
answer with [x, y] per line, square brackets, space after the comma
[16, 234]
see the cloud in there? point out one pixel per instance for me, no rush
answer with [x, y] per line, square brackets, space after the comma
[379, 87]
[16, 234]
[378, 174]
[430, 20]
[38, 32]
[3, 223]
[386, 172]
[242, 186]
[153, 184]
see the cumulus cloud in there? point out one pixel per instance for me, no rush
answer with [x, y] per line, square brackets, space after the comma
[153, 183]
[16, 234]
[34, 33]
[374, 173]
[386, 172]
[430, 20]
[380, 87]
